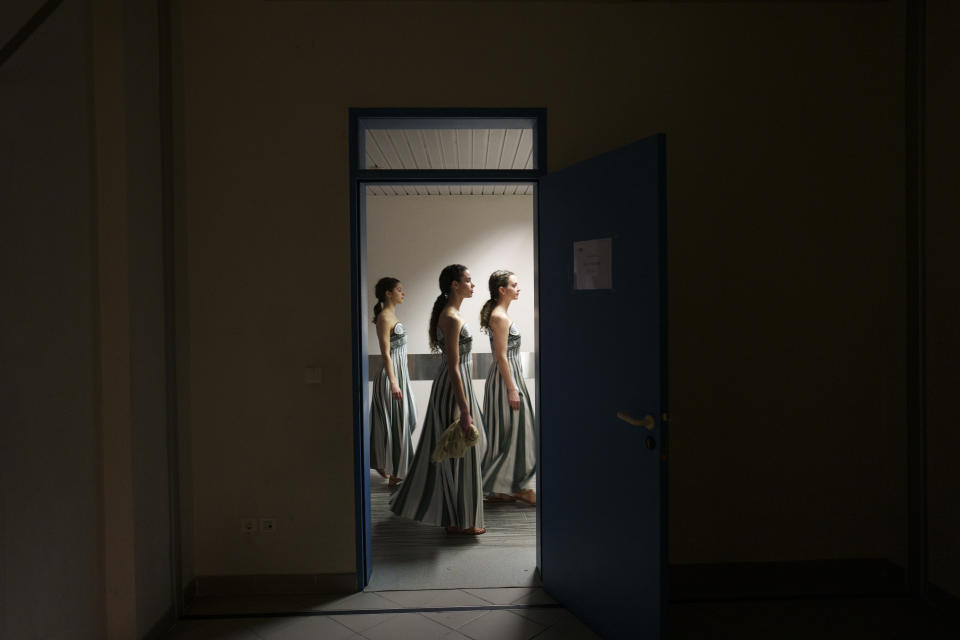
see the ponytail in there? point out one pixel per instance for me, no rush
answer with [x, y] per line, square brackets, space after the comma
[438, 305]
[485, 312]
[450, 273]
[499, 278]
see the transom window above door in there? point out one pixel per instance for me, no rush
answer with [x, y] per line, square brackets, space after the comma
[447, 189]
[392, 143]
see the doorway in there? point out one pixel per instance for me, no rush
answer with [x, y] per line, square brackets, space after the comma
[421, 165]
[600, 257]
[412, 232]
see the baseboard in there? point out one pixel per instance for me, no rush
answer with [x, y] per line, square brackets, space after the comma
[771, 580]
[162, 626]
[300, 584]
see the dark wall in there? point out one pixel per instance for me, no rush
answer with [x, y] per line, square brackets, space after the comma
[84, 453]
[51, 573]
[943, 279]
[147, 365]
[785, 146]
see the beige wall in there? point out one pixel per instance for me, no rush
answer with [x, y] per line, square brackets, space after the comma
[943, 322]
[414, 237]
[784, 127]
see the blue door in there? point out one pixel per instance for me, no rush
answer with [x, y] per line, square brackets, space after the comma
[602, 404]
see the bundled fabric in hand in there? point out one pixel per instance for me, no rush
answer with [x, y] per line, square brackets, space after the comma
[454, 442]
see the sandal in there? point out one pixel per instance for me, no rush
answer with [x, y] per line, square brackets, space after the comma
[499, 497]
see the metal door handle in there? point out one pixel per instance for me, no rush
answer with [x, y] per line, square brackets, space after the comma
[647, 421]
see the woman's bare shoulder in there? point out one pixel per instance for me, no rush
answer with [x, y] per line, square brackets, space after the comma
[499, 319]
[450, 319]
[386, 319]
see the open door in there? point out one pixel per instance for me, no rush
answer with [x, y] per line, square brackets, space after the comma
[603, 397]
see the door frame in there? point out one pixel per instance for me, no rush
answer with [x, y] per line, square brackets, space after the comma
[358, 295]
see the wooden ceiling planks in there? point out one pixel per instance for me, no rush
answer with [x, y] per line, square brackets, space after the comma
[448, 149]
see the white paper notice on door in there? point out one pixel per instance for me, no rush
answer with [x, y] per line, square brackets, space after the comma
[593, 264]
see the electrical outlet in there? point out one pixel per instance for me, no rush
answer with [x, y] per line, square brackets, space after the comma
[268, 525]
[313, 375]
[248, 525]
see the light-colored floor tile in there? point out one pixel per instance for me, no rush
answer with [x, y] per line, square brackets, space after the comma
[456, 598]
[362, 600]
[455, 635]
[454, 619]
[211, 630]
[501, 625]
[304, 628]
[433, 598]
[536, 596]
[406, 599]
[360, 622]
[507, 595]
[407, 626]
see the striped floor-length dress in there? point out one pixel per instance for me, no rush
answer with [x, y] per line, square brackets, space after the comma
[446, 493]
[392, 421]
[510, 462]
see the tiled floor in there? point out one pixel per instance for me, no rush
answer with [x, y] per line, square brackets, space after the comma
[838, 618]
[477, 614]
[466, 613]
[412, 555]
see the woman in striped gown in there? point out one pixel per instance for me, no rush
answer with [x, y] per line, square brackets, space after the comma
[393, 414]
[510, 462]
[448, 493]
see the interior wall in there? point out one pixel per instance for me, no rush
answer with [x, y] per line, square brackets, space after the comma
[84, 515]
[943, 291]
[413, 237]
[181, 320]
[784, 127]
[51, 567]
[147, 359]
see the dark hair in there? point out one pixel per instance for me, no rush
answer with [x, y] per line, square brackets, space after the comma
[499, 278]
[383, 285]
[450, 273]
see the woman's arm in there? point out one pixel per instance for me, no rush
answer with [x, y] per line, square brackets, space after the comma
[451, 337]
[383, 335]
[500, 327]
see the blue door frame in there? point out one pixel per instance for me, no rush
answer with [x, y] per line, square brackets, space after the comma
[360, 177]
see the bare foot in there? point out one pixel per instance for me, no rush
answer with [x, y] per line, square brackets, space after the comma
[473, 531]
[394, 481]
[527, 495]
[499, 497]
